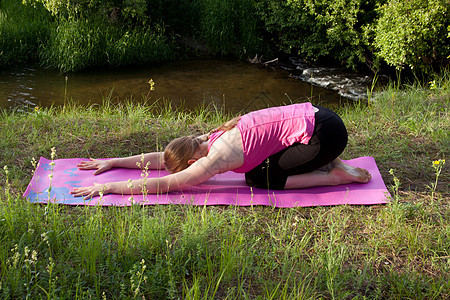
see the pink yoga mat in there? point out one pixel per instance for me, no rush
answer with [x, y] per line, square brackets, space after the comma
[224, 189]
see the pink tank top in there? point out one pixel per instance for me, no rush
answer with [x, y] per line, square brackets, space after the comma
[268, 131]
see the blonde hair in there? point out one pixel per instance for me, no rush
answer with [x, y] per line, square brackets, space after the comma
[179, 151]
[227, 125]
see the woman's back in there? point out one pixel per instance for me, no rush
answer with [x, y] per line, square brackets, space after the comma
[268, 131]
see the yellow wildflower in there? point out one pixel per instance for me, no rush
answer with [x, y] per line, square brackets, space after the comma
[152, 84]
[439, 162]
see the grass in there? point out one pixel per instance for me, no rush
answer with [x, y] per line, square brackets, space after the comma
[230, 27]
[22, 30]
[86, 43]
[394, 251]
[30, 35]
[95, 35]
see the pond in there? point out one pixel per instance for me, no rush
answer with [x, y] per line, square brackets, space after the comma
[233, 85]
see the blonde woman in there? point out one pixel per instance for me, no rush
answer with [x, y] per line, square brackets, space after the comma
[286, 147]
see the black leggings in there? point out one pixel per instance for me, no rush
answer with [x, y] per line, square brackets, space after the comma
[326, 144]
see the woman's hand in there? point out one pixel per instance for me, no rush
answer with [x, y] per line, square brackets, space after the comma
[100, 165]
[90, 191]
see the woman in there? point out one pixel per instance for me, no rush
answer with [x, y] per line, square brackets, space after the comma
[287, 147]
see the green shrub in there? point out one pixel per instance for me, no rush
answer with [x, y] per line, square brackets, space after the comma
[357, 32]
[74, 35]
[413, 33]
[345, 24]
[322, 29]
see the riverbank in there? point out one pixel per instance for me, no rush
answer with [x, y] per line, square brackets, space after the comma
[399, 250]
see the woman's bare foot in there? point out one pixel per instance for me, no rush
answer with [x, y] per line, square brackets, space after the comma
[344, 173]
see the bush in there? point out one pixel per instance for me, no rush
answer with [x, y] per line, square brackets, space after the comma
[322, 29]
[401, 33]
[413, 33]
[292, 29]
[353, 33]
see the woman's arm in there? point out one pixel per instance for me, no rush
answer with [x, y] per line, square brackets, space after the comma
[153, 161]
[191, 176]
[197, 173]
[225, 154]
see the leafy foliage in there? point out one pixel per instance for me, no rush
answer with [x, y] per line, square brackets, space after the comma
[354, 32]
[322, 29]
[77, 34]
[413, 33]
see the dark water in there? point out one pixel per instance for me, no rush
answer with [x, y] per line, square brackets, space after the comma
[237, 86]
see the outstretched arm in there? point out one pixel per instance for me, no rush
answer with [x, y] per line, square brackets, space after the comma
[224, 155]
[154, 161]
[197, 173]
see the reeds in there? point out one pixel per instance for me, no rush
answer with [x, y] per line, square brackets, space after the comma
[22, 30]
[30, 35]
[78, 44]
[91, 38]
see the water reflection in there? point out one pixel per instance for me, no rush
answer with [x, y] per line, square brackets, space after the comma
[237, 86]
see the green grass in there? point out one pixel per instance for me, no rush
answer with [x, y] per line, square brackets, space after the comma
[394, 251]
[89, 35]
[230, 27]
[86, 43]
[30, 35]
[22, 30]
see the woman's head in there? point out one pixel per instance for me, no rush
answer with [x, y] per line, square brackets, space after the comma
[179, 151]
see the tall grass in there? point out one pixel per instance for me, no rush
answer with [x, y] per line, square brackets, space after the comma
[408, 126]
[230, 27]
[394, 251]
[22, 30]
[28, 35]
[77, 44]
[92, 37]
